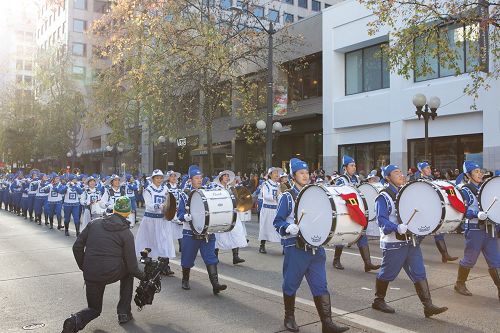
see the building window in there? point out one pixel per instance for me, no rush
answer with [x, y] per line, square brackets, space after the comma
[19, 65]
[223, 108]
[226, 4]
[303, 3]
[368, 156]
[316, 6]
[290, 2]
[305, 77]
[242, 4]
[79, 25]
[209, 3]
[79, 49]
[273, 15]
[95, 142]
[28, 66]
[463, 42]
[366, 70]
[447, 152]
[258, 11]
[80, 4]
[288, 18]
[79, 72]
[102, 6]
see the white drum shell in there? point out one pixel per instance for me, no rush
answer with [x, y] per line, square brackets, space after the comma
[487, 194]
[212, 211]
[371, 192]
[452, 217]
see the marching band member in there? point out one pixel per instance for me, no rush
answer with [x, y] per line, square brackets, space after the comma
[24, 197]
[478, 234]
[41, 197]
[90, 196]
[3, 189]
[191, 243]
[396, 252]
[130, 190]
[300, 262]
[154, 232]
[172, 187]
[54, 200]
[111, 193]
[350, 178]
[425, 172]
[32, 190]
[71, 203]
[270, 192]
[235, 238]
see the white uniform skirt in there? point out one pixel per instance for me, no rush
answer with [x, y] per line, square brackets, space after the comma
[157, 234]
[266, 228]
[232, 239]
[86, 218]
[176, 229]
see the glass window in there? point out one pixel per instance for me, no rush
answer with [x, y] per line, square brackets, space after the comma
[19, 64]
[79, 49]
[366, 70]
[288, 18]
[101, 6]
[80, 4]
[258, 11]
[454, 37]
[316, 6]
[209, 3]
[368, 156]
[225, 4]
[425, 61]
[472, 47]
[79, 71]
[302, 3]
[290, 2]
[305, 77]
[273, 15]
[28, 65]
[242, 4]
[79, 25]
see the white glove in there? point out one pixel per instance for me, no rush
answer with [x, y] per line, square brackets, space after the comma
[188, 217]
[482, 216]
[292, 229]
[402, 228]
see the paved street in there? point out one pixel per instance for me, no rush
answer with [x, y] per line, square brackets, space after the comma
[40, 283]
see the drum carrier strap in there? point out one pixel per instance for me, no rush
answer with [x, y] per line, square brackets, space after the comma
[473, 189]
[299, 243]
[392, 195]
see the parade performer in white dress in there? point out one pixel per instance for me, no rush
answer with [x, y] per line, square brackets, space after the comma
[111, 193]
[90, 201]
[235, 238]
[154, 231]
[270, 193]
[173, 187]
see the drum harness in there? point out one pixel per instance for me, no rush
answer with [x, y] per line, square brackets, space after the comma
[299, 243]
[482, 225]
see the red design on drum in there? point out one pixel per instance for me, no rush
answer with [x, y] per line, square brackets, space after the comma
[351, 201]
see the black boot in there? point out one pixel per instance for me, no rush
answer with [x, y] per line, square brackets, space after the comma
[25, 214]
[445, 257]
[124, 318]
[262, 248]
[365, 254]
[51, 219]
[236, 258]
[185, 278]
[59, 225]
[336, 257]
[70, 325]
[379, 301]
[423, 292]
[495, 275]
[460, 286]
[217, 253]
[31, 216]
[289, 320]
[38, 217]
[180, 245]
[167, 271]
[214, 279]
[46, 219]
[324, 308]
[77, 227]
[66, 229]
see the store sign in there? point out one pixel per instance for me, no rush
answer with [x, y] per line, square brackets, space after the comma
[181, 142]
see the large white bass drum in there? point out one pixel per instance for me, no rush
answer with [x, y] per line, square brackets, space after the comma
[371, 191]
[330, 215]
[488, 197]
[430, 207]
[212, 211]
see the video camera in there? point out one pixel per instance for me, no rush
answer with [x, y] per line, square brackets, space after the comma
[146, 290]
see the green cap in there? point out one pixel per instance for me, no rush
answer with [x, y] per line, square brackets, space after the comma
[122, 205]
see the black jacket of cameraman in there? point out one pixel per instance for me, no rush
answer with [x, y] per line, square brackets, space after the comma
[105, 250]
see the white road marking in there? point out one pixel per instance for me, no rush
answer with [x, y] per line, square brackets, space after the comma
[352, 254]
[364, 288]
[352, 317]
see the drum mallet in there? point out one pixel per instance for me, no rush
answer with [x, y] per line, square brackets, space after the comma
[415, 211]
[301, 216]
[495, 199]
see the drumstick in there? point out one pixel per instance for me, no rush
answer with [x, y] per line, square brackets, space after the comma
[415, 211]
[301, 216]
[495, 199]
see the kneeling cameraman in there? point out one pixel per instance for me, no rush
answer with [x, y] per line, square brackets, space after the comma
[105, 252]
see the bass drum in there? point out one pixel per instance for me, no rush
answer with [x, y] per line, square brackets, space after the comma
[323, 217]
[370, 192]
[488, 197]
[212, 211]
[453, 204]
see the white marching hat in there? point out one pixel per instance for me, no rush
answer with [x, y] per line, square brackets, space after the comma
[272, 169]
[157, 172]
[172, 172]
[231, 175]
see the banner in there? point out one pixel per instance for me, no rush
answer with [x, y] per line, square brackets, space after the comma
[280, 105]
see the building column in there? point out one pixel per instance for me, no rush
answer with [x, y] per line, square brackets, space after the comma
[399, 146]
[146, 149]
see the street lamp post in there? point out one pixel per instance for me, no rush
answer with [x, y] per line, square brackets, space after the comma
[420, 102]
[276, 127]
[116, 149]
[270, 79]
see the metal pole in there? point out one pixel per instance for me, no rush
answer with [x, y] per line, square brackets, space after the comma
[426, 121]
[270, 98]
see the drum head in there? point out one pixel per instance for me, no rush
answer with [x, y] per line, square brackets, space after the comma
[428, 201]
[487, 194]
[197, 210]
[370, 193]
[314, 211]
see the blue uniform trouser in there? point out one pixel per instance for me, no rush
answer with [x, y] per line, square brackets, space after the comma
[72, 211]
[299, 263]
[54, 208]
[439, 237]
[31, 203]
[2, 199]
[16, 199]
[133, 203]
[362, 242]
[190, 247]
[408, 257]
[39, 203]
[24, 203]
[477, 241]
